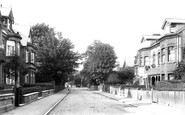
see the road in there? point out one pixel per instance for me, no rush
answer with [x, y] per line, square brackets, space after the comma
[82, 101]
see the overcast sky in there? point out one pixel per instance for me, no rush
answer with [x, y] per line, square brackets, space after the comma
[121, 23]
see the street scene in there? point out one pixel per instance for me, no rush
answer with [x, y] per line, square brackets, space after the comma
[92, 57]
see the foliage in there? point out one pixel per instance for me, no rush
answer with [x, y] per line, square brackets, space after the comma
[44, 86]
[133, 86]
[6, 86]
[174, 85]
[14, 65]
[26, 90]
[80, 79]
[99, 62]
[180, 70]
[113, 78]
[126, 74]
[55, 56]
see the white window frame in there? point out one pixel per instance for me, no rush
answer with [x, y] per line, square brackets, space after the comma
[171, 54]
[10, 48]
[32, 57]
[146, 60]
[27, 56]
[18, 49]
[163, 55]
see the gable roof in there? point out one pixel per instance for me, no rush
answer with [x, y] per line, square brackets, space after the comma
[150, 37]
[173, 20]
[24, 31]
[7, 11]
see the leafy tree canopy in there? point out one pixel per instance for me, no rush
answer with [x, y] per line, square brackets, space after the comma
[99, 61]
[55, 55]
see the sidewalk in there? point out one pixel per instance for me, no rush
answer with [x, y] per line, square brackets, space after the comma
[144, 107]
[38, 107]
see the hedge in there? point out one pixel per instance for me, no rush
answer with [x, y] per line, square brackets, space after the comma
[174, 85]
[26, 90]
[44, 86]
[134, 86]
[2, 86]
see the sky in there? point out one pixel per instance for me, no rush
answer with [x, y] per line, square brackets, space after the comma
[120, 23]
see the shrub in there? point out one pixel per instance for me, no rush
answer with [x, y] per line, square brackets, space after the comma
[174, 85]
[134, 86]
[2, 86]
[44, 86]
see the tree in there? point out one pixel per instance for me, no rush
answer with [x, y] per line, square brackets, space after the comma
[126, 74]
[55, 57]
[99, 62]
[113, 78]
[14, 65]
[179, 72]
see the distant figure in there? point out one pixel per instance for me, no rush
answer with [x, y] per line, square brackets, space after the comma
[68, 88]
[67, 85]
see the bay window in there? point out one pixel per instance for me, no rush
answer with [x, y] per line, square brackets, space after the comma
[10, 48]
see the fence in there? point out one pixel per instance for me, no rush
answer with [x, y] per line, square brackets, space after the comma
[174, 98]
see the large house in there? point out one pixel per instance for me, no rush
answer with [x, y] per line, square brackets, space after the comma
[158, 60]
[15, 40]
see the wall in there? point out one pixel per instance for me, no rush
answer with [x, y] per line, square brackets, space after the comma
[6, 102]
[172, 98]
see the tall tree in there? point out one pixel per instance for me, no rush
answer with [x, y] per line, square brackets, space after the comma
[100, 61]
[55, 56]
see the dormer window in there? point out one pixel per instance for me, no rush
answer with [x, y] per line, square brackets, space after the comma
[172, 29]
[6, 23]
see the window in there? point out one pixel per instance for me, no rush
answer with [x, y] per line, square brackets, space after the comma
[141, 61]
[26, 78]
[10, 48]
[163, 55]
[146, 60]
[153, 59]
[32, 57]
[29, 39]
[26, 56]
[159, 58]
[18, 49]
[170, 76]
[171, 53]
[172, 29]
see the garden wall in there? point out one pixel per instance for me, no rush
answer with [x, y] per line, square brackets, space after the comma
[6, 102]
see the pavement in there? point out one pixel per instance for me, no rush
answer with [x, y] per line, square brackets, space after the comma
[136, 107]
[41, 106]
[144, 107]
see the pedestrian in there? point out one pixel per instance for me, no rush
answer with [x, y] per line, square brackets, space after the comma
[68, 88]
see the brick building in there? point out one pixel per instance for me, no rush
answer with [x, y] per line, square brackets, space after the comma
[15, 40]
[158, 60]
